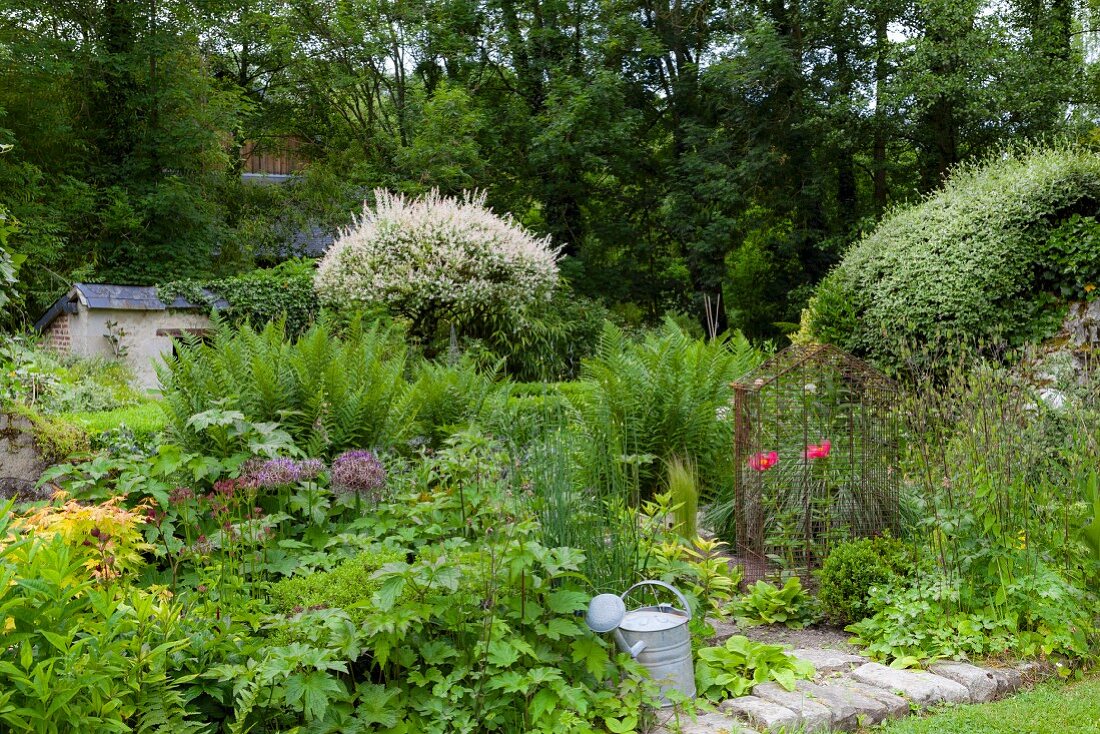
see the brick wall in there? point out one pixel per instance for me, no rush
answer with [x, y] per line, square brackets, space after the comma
[57, 334]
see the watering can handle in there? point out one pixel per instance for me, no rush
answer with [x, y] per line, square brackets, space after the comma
[663, 585]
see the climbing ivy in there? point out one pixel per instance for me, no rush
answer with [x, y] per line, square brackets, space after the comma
[285, 291]
[984, 260]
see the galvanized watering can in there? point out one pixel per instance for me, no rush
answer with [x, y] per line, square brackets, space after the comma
[656, 636]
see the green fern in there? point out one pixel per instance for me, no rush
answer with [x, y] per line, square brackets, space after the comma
[655, 399]
[161, 708]
[329, 392]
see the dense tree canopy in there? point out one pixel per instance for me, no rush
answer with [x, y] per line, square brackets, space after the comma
[674, 148]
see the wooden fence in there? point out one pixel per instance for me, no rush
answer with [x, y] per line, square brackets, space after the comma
[273, 156]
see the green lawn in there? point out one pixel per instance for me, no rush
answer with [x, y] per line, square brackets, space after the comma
[1052, 708]
[144, 418]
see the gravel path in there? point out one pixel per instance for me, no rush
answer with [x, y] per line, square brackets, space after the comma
[822, 637]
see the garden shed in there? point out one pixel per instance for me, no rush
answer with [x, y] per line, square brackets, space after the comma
[127, 322]
[816, 453]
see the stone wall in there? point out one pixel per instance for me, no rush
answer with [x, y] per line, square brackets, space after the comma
[20, 464]
[1082, 324]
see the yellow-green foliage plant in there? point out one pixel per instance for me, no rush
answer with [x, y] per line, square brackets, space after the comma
[347, 587]
[106, 536]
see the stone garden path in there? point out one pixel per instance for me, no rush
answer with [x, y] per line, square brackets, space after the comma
[850, 692]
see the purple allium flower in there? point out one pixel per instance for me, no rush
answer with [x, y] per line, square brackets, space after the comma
[359, 472]
[310, 469]
[277, 473]
[282, 472]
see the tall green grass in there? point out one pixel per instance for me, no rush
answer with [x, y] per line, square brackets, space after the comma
[574, 514]
[685, 497]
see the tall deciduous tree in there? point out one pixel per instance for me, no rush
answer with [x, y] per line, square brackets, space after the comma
[676, 149]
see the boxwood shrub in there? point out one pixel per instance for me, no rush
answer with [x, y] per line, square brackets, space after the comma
[852, 570]
[349, 586]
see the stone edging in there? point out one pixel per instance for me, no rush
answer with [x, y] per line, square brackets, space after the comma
[850, 692]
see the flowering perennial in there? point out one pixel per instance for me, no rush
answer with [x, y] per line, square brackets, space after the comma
[282, 472]
[763, 460]
[360, 473]
[818, 450]
[436, 253]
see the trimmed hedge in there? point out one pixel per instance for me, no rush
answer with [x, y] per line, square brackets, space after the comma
[973, 261]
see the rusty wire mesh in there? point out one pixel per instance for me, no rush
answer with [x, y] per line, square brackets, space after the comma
[832, 423]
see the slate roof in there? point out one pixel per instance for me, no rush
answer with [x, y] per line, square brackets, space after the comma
[311, 242]
[98, 296]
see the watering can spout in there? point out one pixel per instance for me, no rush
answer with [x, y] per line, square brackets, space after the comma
[635, 650]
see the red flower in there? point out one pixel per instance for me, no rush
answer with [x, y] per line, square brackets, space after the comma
[763, 460]
[818, 450]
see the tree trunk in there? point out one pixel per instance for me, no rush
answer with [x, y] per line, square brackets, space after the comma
[847, 201]
[878, 152]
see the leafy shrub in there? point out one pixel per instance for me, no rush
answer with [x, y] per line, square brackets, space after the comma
[648, 401]
[732, 669]
[790, 606]
[546, 340]
[282, 292]
[1040, 615]
[971, 262]
[84, 658]
[330, 393]
[349, 587]
[436, 258]
[851, 570]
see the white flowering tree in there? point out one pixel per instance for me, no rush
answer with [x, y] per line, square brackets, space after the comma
[435, 258]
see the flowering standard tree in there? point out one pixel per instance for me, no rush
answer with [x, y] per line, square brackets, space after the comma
[436, 257]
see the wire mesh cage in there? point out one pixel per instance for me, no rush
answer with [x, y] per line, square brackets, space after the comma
[816, 453]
